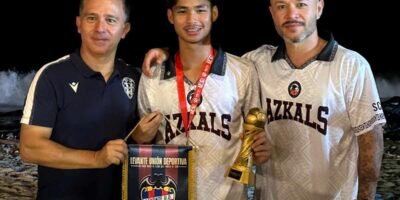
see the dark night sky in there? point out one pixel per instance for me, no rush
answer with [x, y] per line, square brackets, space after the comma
[36, 32]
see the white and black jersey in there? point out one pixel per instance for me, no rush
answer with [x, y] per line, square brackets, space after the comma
[230, 91]
[314, 117]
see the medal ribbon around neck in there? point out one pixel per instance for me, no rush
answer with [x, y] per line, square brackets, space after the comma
[194, 102]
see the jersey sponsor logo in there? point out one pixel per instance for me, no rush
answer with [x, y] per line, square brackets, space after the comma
[376, 106]
[207, 122]
[294, 89]
[158, 189]
[74, 86]
[287, 110]
[369, 123]
[129, 86]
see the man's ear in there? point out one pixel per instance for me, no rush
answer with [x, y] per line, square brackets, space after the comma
[170, 17]
[214, 13]
[78, 23]
[127, 28]
[320, 8]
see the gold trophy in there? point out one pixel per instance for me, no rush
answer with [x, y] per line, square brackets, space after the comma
[241, 169]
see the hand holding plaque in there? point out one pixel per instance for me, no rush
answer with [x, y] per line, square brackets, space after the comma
[241, 170]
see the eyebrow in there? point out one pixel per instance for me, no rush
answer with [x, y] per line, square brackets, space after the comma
[198, 6]
[283, 1]
[97, 15]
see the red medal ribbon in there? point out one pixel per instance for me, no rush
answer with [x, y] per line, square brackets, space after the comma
[197, 93]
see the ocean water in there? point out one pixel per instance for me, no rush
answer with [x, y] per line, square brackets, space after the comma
[13, 89]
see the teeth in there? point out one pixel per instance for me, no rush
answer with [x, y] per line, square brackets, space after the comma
[193, 29]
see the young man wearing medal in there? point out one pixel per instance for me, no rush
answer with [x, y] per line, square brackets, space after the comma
[335, 151]
[205, 92]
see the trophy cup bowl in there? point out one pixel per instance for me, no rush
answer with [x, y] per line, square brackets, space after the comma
[241, 169]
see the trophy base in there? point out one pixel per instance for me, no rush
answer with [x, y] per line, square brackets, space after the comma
[243, 175]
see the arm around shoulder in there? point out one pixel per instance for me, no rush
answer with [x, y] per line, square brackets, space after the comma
[155, 55]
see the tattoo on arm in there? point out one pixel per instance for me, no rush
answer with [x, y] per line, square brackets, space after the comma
[370, 146]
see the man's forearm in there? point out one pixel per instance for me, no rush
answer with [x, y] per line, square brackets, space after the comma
[370, 146]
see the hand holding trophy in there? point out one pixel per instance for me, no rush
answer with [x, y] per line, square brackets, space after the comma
[241, 170]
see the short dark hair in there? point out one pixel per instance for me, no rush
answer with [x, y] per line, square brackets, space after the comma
[125, 3]
[172, 3]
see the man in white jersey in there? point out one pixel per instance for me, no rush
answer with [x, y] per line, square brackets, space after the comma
[229, 92]
[324, 112]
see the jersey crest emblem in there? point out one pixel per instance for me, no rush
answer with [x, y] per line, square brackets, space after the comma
[196, 100]
[294, 89]
[158, 189]
[129, 86]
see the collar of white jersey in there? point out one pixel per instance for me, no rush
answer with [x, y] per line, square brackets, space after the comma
[327, 53]
[218, 66]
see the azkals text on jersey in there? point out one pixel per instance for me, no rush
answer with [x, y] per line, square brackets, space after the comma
[207, 122]
[279, 110]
